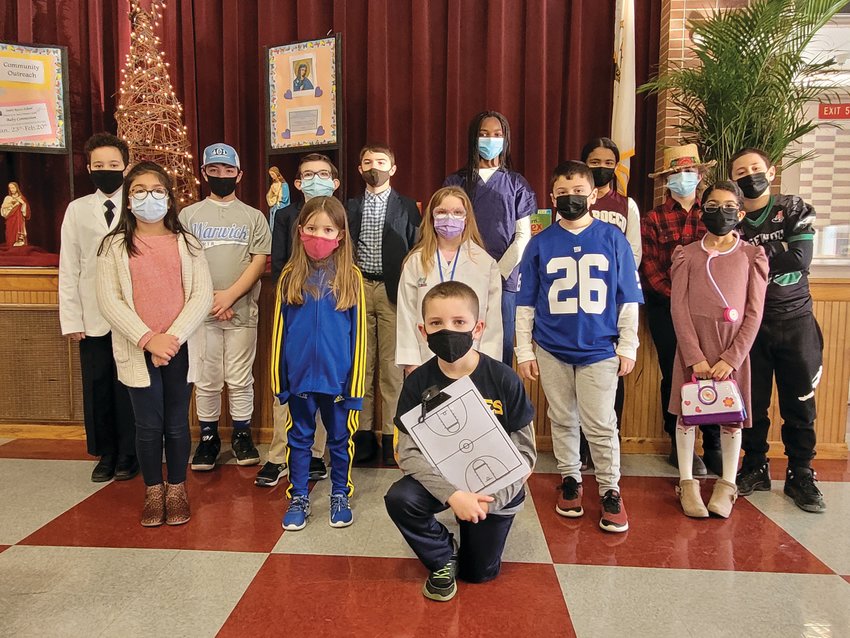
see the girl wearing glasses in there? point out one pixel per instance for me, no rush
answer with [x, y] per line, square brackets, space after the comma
[449, 249]
[718, 287]
[154, 289]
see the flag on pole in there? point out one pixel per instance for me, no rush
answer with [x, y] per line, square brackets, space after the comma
[623, 117]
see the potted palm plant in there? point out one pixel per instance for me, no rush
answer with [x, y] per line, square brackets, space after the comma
[753, 80]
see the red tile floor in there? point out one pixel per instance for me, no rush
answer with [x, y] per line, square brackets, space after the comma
[75, 561]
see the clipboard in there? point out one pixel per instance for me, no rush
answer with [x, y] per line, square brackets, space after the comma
[459, 435]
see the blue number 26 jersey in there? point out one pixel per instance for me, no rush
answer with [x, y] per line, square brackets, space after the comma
[576, 283]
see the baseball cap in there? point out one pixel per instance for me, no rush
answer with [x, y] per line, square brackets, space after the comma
[221, 154]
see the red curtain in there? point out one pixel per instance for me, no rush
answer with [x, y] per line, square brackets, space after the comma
[414, 74]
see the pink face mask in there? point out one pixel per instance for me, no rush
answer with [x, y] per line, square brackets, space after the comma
[449, 227]
[318, 248]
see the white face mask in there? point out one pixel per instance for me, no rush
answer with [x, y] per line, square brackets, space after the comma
[149, 210]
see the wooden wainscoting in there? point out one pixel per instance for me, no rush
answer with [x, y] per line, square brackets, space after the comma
[34, 289]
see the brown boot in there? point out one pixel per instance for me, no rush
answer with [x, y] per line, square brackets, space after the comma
[722, 498]
[176, 504]
[153, 513]
[691, 499]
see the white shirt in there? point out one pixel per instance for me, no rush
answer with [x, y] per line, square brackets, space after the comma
[476, 269]
[83, 228]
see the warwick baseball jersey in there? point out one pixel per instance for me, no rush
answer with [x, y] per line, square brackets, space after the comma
[231, 233]
[576, 284]
[786, 220]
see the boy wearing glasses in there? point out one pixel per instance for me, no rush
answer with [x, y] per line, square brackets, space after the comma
[383, 226]
[236, 240]
[317, 176]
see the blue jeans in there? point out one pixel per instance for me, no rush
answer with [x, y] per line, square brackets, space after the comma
[509, 325]
[162, 412]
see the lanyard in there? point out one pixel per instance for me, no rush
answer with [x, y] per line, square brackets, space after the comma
[440, 265]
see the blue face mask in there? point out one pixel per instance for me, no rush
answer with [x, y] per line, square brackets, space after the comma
[683, 184]
[317, 187]
[490, 147]
[149, 209]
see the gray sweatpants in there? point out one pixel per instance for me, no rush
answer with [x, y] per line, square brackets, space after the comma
[582, 398]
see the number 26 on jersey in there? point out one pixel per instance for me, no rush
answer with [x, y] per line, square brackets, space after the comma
[592, 294]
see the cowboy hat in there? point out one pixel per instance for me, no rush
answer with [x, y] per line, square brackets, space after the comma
[679, 157]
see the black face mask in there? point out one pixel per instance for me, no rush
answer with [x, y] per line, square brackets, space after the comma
[571, 207]
[449, 345]
[753, 185]
[719, 221]
[222, 186]
[107, 181]
[375, 177]
[602, 176]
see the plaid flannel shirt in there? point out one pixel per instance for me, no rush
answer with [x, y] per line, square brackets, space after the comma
[662, 229]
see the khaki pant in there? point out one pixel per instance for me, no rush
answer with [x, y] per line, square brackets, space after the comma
[277, 449]
[229, 358]
[581, 398]
[380, 345]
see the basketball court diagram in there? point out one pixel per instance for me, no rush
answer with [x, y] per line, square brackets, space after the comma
[463, 440]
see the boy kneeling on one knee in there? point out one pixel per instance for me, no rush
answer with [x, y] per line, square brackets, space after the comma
[450, 312]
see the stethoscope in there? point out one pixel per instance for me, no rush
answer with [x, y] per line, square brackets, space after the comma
[454, 267]
[730, 315]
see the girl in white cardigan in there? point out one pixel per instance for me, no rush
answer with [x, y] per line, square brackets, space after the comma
[154, 289]
[449, 249]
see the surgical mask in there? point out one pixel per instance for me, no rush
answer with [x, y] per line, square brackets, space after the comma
[222, 186]
[753, 185]
[449, 227]
[375, 177]
[149, 210]
[683, 184]
[490, 147]
[449, 345]
[602, 176]
[107, 181]
[318, 248]
[571, 207]
[317, 187]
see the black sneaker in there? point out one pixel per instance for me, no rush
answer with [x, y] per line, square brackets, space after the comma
[318, 469]
[441, 585]
[270, 474]
[206, 453]
[801, 486]
[712, 458]
[753, 479]
[243, 448]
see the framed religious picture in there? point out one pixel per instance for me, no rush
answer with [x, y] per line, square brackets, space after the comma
[34, 98]
[303, 95]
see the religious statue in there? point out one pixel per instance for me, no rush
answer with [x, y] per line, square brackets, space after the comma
[278, 195]
[16, 212]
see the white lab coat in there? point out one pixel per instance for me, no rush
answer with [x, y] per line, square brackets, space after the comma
[476, 269]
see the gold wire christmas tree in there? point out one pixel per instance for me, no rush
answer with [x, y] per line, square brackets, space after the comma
[150, 117]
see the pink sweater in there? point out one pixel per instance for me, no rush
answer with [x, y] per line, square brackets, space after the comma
[157, 283]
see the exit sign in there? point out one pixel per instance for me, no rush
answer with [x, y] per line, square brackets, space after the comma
[834, 112]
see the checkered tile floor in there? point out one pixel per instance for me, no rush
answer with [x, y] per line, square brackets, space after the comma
[75, 562]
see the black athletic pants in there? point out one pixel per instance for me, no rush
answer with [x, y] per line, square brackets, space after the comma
[792, 350]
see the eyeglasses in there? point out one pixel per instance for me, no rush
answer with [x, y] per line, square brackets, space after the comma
[139, 193]
[442, 213]
[311, 174]
[726, 208]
